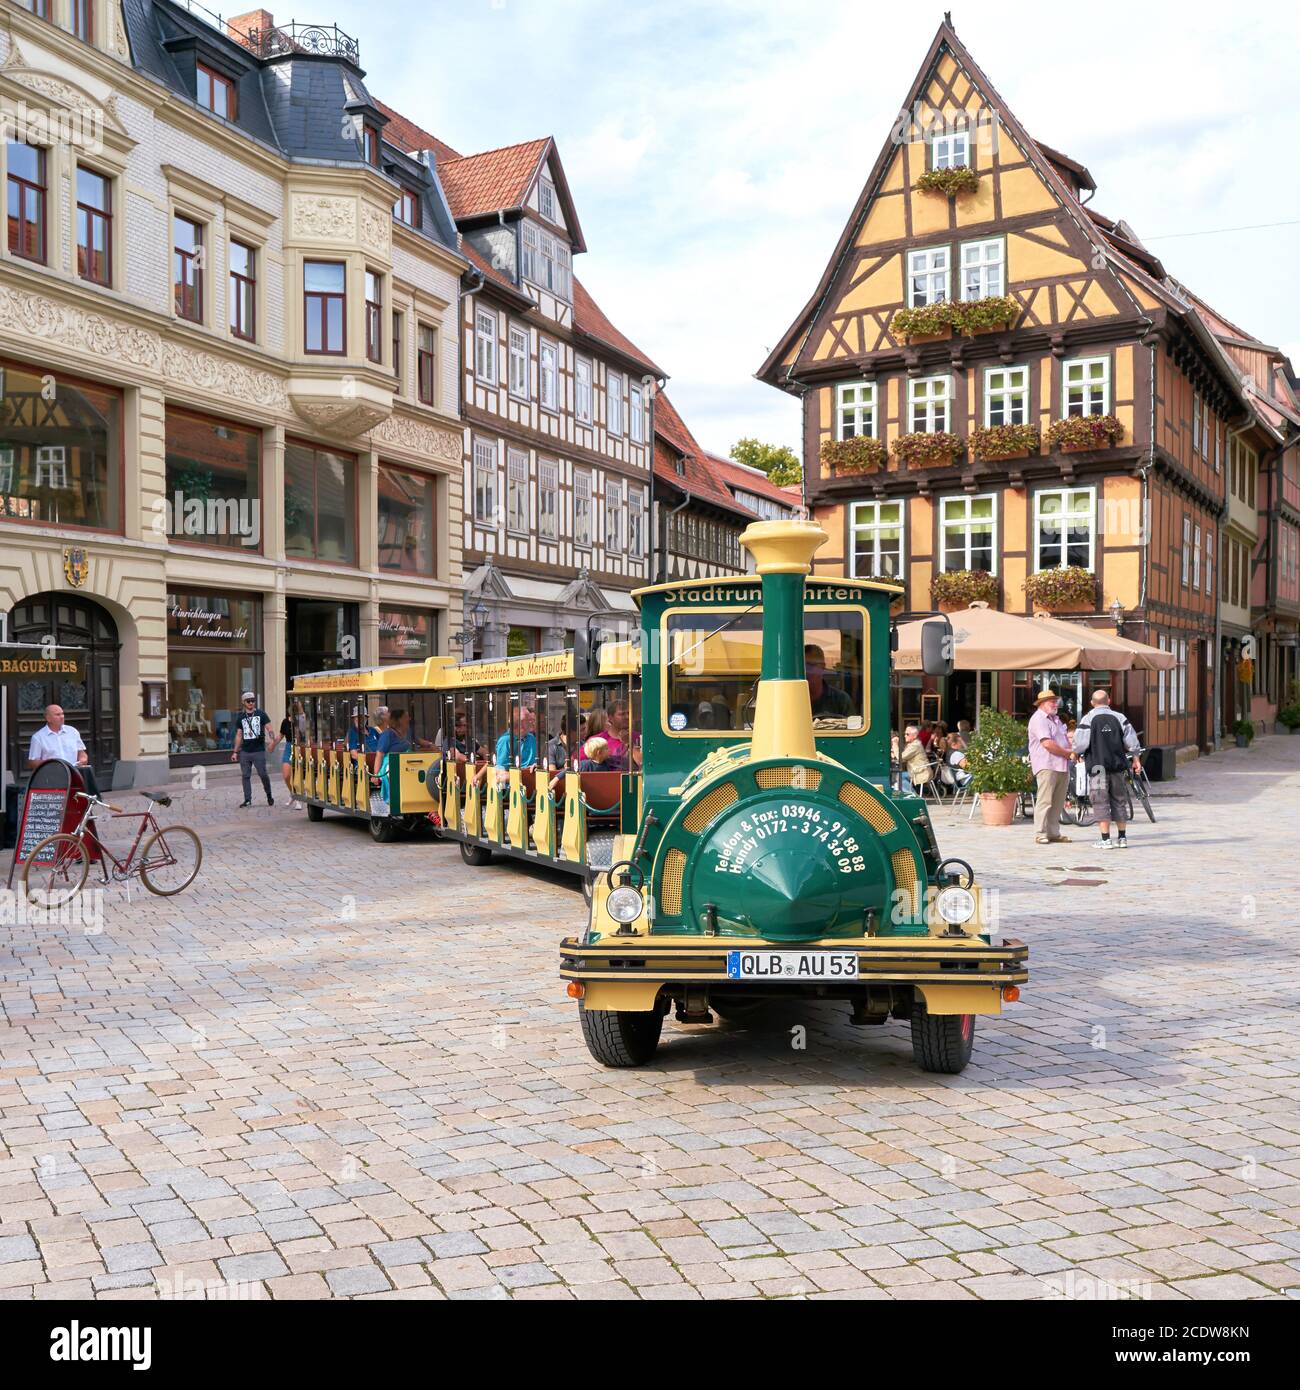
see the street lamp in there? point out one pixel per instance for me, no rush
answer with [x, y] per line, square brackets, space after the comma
[466, 637]
[1117, 612]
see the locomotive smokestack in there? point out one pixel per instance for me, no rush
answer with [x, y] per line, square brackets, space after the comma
[783, 724]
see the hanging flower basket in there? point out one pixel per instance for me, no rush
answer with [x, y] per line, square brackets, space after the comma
[1070, 587]
[1084, 432]
[858, 455]
[924, 450]
[949, 182]
[1004, 442]
[961, 588]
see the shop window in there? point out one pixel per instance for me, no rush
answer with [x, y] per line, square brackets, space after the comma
[214, 494]
[214, 654]
[405, 635]
[320, 505]
[406, 521]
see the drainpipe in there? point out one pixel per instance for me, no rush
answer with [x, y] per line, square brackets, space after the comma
[652, 386]
[661, 577]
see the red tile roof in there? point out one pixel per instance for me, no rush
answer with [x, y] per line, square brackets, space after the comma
[590, 321]
[408, 136]
[699, 479]
[494, 181]
[752, 480]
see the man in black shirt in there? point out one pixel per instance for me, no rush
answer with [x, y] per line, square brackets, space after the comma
[828, 700]
[253, 730]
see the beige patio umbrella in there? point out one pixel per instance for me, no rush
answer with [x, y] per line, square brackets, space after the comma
[1145, 658]
[986, 639]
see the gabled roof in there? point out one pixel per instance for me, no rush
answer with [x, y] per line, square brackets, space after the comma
[699, 479]
[589, 322]
[1078, 172]
[740, 475]
[494, 181]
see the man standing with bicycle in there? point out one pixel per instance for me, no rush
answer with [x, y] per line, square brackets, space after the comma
[1108, 745]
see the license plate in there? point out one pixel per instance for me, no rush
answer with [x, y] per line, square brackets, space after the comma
[379, 808]
[793, 967]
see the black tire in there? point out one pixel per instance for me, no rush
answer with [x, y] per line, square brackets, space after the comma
[474, 855]
[620, 1039]
[942, 1042]
[315, 813]
[384, 832]
[1140, 791]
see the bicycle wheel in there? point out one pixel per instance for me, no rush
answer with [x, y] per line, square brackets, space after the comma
[1143, 793]
[56, 871]
[170, 861]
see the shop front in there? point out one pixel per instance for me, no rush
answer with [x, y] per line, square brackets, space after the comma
[323, 636]
[405, 634]
[214, 654]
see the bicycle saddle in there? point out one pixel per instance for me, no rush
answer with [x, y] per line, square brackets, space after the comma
[157, 797]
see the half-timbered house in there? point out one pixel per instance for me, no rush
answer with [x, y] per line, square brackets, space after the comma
[1007, 399]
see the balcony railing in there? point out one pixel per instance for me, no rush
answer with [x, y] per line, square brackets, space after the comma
[326, 40]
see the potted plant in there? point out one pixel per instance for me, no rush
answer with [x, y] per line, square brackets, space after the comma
[985, 315]
[1004, 442]
[949, 182]
[1084, 432]
[1289, 717]
[1244, 729]
[924, 321]
[857, 455]
[926, 449]
[1069, 588]
[954, 589]
[999, 772]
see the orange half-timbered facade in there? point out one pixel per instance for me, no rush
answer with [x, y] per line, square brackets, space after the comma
[1006, 399]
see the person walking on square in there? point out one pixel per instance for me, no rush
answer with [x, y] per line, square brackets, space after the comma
[1108, 745]
[250, 748]
[1049, 760]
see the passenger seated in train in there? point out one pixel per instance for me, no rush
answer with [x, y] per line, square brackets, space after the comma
[829, 701]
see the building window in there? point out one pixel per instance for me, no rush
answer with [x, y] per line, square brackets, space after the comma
[407, 208]
[40, 8]
[548, 499]
[1163, 643]
[546, 199]
[614, 516]
[406, 521]
[83, 20]
[636, 523]
[215, 93]
[855, 410]
[426, 364]
[27, 166]
[374, 317]
[548, 375]
[1065, 528]
[529, 263]
[320, 505]
[399, 351]
[485, 346]
[1187, 550]
[877, 540]
[214, 491]
[555, 271]
[405, 635]
[582, 510]
[325, 307]
[614, 403]
[928, 275]
[517, 492]
[187, 268]
[370, 144]
[950, 150]
[1087, 386]
[636, 398]
[1006, 395]
[582, 390]
[982, 269]
[1209, 563]
[94, 227]
[968, 533]
[928, 400]
[243, 291]
[60, 450]
[214, 654]
[485, 482]
[1196, 559]
[517, 347]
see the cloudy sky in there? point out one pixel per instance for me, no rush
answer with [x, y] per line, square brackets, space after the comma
[715, 147]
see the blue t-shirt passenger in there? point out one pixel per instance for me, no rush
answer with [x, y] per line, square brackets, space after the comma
[390, 741]
[527, 751]
[372, 739]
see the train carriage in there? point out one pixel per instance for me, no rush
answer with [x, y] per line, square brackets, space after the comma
[769, 856]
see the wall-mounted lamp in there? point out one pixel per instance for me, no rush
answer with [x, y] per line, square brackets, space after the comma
[1117, 612]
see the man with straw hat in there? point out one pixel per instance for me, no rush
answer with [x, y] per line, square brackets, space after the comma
[1049, 760]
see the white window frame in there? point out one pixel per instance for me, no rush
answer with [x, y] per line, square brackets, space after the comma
[859, 528]
[636, 538]
[1187, 549]
[857, 400]
[517, 509]
[923, 394]
[548, 499]
[1088, 383]
[582, 397]
[486, 327]
[1161, 702]
[529, 252]
[484, 479]
[983, 264]
[52, 462]
[614, 520]
[932, 265]
[1196, 558]
[636, 413]
[546, 198]
[584, 492]
[614, 403]
[1008, 393]
[1065, 516]
[966, 523]
[548, 378]
[1209, 563]
[8, 459]
[950, 149]
[517, 341]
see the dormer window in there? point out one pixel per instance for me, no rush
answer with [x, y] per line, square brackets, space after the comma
[950, 149]
[546, 199]
[407, 208]
[215, 93]
[370, 144]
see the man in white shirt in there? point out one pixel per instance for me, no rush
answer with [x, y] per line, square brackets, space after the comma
[60, 742]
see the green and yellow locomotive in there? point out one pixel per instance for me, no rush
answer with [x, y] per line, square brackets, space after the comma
[770, 857]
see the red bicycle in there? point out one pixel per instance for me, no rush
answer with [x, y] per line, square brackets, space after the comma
[166, 862]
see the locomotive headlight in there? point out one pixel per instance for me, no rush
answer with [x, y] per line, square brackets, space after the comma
[955, 905]
[625, 905]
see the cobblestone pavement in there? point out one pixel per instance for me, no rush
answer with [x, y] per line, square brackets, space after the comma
[335, 1068]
